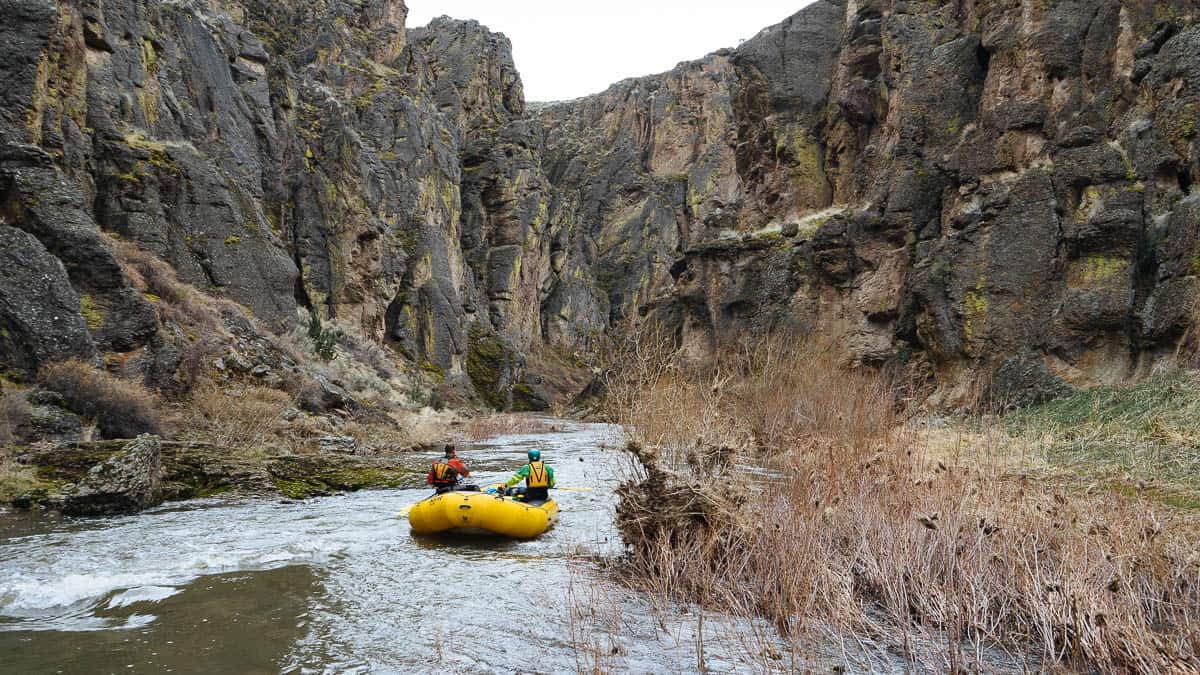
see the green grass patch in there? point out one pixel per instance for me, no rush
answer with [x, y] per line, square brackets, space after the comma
[91, 311]
[1147, 433]
[21, 484]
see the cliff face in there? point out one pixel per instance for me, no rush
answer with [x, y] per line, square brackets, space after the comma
[280, 156]
[973, 188]
[965, 187]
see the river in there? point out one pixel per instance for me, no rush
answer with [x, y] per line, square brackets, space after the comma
[338, 585]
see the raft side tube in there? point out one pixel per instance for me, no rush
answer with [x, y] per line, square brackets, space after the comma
[467, 511]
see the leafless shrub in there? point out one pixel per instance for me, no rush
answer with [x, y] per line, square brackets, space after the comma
[426, 426]
[120, 408]
[849, 525]
[501, 424]
[246, 417]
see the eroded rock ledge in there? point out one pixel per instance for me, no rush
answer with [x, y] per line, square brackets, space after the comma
[115, 477]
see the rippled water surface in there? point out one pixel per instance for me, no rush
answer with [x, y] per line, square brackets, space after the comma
[338, 585]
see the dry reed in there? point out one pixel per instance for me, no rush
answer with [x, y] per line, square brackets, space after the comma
[846, 523]
[501, 424]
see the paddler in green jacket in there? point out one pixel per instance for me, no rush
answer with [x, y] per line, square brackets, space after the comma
[538, 477]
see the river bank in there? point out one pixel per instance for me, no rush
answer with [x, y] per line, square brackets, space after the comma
[780, 484]
[118, 476]
[196, 470]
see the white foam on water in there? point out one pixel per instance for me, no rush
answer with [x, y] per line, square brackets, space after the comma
[24, 593]
[89, 575]
[150, 556]
[142, 594]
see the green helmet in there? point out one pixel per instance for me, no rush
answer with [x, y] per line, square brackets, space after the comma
[535, 455]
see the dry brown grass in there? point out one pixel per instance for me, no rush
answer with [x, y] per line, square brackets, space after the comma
[852, 527]
[501, 424]
[241, 417]
[195, 321]
[240, 413]
[15, 479]
[410, 429]
[174, 301]
[14, 411]
[253, 420]
[119, 408]
[427, 427]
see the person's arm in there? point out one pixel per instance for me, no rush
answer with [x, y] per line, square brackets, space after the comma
[519, 476]
[429, 477]
[550, 475]
[461, 467]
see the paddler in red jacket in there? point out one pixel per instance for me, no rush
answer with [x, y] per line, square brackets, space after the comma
[445, 474]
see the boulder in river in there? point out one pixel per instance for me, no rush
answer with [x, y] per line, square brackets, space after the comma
[127, 482]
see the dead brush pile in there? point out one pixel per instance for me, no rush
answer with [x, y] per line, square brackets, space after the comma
[778, 484]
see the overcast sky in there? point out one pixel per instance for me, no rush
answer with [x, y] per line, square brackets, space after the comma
[566, 49]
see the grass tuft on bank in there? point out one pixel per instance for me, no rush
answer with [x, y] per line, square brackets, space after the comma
[1143, 436]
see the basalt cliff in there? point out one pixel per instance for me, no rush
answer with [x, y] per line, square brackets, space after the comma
[999, 191]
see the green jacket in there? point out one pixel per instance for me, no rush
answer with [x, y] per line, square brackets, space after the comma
[523, 473]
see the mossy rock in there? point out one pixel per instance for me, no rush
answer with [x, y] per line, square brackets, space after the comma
[487, 363]
[23, 491]
[341, 480]
[434, 370]
[300, 477]
[526, 398]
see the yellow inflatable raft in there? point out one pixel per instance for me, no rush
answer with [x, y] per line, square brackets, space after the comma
[480, 512]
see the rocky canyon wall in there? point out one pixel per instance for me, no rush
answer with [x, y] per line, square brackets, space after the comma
[997, 187]
[992, 191]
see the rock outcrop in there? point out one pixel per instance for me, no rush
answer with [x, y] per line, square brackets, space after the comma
[946, 185]
[127, 482]
[40, 316]
[120, 477]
